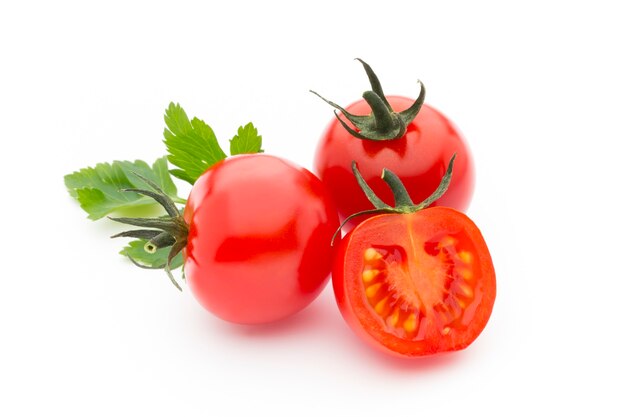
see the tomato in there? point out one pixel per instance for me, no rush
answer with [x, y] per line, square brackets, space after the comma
[418, 156]
[415, 284]
[414, 280]
[258, 245]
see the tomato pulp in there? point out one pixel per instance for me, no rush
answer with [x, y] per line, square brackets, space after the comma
[258, 246]
[415, 284]
[419, 158]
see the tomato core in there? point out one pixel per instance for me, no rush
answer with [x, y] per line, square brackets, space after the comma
[400, 294]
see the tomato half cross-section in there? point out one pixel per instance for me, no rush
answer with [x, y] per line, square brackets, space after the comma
[415, 281]
[406, 136]
[416, 284]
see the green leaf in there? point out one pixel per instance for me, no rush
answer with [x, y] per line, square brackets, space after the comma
[192, 145]
[247, 140]
[135, 250]
[180, 174]
[99, 189]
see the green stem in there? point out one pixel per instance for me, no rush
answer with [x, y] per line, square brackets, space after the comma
[400, 194]
[162, 240]
[383, 123]
[369, 193]
[383, 117]
[441, 189]
[161, 232]
[374, 82]
[403, 202]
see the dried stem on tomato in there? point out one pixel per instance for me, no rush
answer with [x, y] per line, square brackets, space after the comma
[383, 123]
[403, 203]
[161, 232]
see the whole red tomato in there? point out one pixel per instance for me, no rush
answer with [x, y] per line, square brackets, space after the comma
[258, 244]
[418, 155]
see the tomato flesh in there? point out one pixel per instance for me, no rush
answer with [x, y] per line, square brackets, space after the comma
[419, 158]
[259, 230]
[416, 284]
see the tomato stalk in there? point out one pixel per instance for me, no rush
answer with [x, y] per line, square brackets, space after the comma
[402, 200]
[162, 232]
[383, 123]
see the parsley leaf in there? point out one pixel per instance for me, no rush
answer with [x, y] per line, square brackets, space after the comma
[192, 145]
[247, 140]
[135, 250]
[99, 189]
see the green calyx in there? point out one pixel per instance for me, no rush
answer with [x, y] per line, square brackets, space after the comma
[402, 201]
[161, 232]
[383, 123]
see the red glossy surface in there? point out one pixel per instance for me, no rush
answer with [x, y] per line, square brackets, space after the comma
[419, 158]
[432, 266]
[258, 247]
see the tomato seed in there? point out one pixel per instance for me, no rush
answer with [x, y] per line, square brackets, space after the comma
[395, 316]
[370, 274]
[466, 274]
[371, 254]
[447, 242]
[373, 289]
[465, 256]
[410, 324]
[466, 290]
[382, 307]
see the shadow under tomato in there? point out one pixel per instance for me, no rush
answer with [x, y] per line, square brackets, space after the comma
[315, 318]
[421, 364]
[363, 352]
[321, 320]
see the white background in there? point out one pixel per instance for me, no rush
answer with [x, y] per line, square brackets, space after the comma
[537, 87]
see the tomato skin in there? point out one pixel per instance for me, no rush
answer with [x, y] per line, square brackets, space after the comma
[413, 232]
[419, 158]
[259, 238]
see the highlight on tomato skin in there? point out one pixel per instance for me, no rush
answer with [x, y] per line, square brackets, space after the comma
[259, 230]
[415, 284]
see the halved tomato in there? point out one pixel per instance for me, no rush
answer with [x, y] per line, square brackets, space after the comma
[416, 283]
